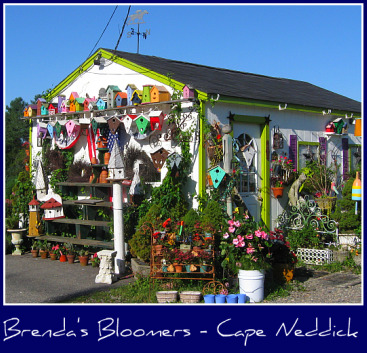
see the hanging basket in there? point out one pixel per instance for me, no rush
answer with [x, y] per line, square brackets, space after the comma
[278, 192]
[326, 203]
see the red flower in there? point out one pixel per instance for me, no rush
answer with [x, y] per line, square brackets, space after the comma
[166, 222]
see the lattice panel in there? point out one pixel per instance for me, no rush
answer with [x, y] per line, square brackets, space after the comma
[315, 256]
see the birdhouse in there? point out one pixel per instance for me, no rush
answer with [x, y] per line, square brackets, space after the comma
[188, 92]
[102, 142]
[40, 102]
[60, 127]
[32, 110]
[63, 107]
[116, 164]
[97, 122]
[52, 109]
[130, 124]
[25, 112]
[79, 104]
[101, 104]
[60, 99]
[142, 123]
[146, 94]
[92, 105]
[44, 109]
[159, 157]
[330, 127]
[358, 127]
[72, 128]
[113, 124]
[86, 103]
[52, 210]
[73, 96]
[34, 218]
[72, 107]
[120, 99]
[137, 97]
[159, 94]
[130, 88]
[174, 160]
[156, 120]
[41, 129]
[51, 128]
[338, 123]
[111, 93]
[217, 174]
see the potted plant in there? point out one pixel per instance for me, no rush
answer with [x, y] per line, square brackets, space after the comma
[54, 252]
[245, 248]
[34, 248]
[178, 257]
[44, 249]
[205, 259]
[282, 174]
[187, 260]
[83, 256]
[12, 224]
[70, 253]
[95, 260]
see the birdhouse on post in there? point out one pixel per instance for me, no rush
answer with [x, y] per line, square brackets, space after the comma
[143, 124]
[72, 128]
[159, 157]
[40, 102]
[111, 93]
[64, 107]
[159, 94]
[52, 210]
[34, 218]
[188, 92]
[116, 164]
[114, 124]
[120, 99]
[146, 94]
[156, 120]
[130, 88]
[25, 112]
[130, 124]
[42, 129]
[73, 96]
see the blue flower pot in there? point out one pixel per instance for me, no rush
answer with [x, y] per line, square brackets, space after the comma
[241, 298]
[220, 298]
[209, 298]
[187, 268]
[203, 268]
[232, 299]
[164, 268]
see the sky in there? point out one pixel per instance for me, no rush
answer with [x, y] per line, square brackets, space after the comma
[319, 44]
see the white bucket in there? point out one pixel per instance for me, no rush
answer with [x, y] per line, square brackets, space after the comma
[252, 284]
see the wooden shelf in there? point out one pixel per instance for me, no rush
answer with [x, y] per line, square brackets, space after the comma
[82, 222]
[88, 202]
[100, 185]
[76, 241]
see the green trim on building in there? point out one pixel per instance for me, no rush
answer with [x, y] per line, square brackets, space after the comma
[265, 174]
[30, 143]
[202, 153]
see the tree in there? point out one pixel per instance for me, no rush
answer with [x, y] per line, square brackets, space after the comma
[16, 133]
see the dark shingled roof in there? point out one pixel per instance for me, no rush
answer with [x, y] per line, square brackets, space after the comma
[244, 85]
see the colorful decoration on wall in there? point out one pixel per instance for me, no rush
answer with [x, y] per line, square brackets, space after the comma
[72, 128]
[217, 174]
[188, 92]
[156, 120]
[159, 157]
[114, 123]
[278, 140]
[159, 94]
[146, 94]
[130, 124]
[143, 123]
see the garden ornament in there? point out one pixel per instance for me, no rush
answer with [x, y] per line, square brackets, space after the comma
[293, 191]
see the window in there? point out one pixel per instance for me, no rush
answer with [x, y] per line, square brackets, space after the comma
[307, 152]
[355, 157]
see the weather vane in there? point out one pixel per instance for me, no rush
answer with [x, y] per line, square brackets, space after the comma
[137, 19]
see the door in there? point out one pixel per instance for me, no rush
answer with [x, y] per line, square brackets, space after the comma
[247, 143]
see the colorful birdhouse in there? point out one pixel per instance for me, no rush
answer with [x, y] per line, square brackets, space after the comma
[156, 120]
[137, 97]
[72, 128]
[130, 124]
[92, 106]
[25, 112]
[97, 123]
[44, 109]
[73, 96]
[146, 94]
[35, 228]
[40, 102]
[330, 127]
[60, 99]
[86, 103]
[72, 107]
[121, 99]
[63, 107]
[217, 174]
[51, 128]
[60, 127]
[52, 210]
[79, 104]
[159, 94]
[52, 109]
[159, 157]
[101, 104]
[143, 123]
[111, 93]
[130, 88]
[116, 164]
[41, 129]
[188, 92]
[32, 110]
[174, 160]
[113, 124]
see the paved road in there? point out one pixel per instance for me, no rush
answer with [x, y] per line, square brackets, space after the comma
[36, 280]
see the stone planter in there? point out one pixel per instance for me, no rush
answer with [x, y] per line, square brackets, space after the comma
[17, 239]
[140, 267]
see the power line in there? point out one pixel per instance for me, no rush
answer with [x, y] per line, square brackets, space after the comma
[123, 27]
[104, 30]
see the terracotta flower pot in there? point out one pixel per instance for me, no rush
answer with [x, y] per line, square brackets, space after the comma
[84, 260]
[71, 258]
[93, 160]
[43, 254]
[34, 253]
[107, 157]
[157, 249]
[53, 256]
[178, 268]
[278, 191]
[103, 177]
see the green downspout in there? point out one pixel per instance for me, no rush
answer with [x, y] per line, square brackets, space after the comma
[30, 144]
[265, 174]
[202, 154]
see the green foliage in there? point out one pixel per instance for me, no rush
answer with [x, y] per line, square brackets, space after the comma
[131, 218]
[345, 210]
[305, 238]
[213, 217]
[190, 219]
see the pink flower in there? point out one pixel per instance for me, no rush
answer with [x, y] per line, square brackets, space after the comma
[235, 241]
[240, 237]
[264, 235]
[249, 236]
[258, 233]
[231, 222]
[294, 170]
[241, 244]
[237, 224]
[247, 216]
[250, 250]
[231, 229]
[254, 259]
[225, 236]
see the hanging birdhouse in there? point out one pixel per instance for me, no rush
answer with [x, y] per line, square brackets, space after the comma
[146, 94]
[156, 120]
[217, 174]
[97, 122]
[51, 128]
[116, 164]
[120, 99]
[60, 127]
[142, 123]
[113, 124]
[159, 94]
[52, 109]
[130, 89]
[42, 129]
[188, 92]
[338, 123]
[278, 140]
[174, 160]
[159, 157]
[111, 92]
[129, 122]
[52, 210]
[72, 128]
[137, 97]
